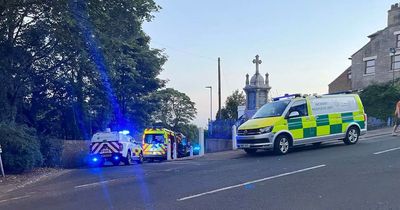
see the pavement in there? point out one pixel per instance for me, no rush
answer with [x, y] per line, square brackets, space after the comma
[13, 182]
[331, 176]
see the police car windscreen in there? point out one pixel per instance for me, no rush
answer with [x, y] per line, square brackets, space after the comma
[154, 139]
[273, 109]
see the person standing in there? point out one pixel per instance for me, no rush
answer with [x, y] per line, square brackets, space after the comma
[396, 118]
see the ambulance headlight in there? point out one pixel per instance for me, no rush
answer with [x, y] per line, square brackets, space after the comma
[266, 129]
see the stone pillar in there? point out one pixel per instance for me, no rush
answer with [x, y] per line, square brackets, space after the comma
[169, 150]
[201, 141]
[234, 144]
[175, 154]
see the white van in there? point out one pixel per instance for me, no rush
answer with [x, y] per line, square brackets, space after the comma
[115, 147]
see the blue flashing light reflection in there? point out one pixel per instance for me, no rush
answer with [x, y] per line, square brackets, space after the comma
[196, 148]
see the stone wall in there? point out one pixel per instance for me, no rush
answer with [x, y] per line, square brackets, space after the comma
[75, 153]
[217, 145]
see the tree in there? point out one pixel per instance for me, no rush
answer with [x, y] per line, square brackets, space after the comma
[175, 108]
[72, 67]
[379, 100]
[190, 131]
[231, 105]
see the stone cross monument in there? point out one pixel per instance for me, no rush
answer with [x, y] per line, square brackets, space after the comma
[257, 61]
[257, 90]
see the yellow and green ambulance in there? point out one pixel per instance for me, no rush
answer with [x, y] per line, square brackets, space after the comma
[294, 120]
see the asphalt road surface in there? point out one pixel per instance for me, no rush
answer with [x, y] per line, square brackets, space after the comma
[333, 176]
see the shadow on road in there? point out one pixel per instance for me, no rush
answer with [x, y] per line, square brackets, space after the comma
[297, 149]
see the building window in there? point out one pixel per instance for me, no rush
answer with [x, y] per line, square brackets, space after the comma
[398, 41]
[395, 62]
[370, 67]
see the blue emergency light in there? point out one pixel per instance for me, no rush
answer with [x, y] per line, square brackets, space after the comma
[125, 132]
[287, 96]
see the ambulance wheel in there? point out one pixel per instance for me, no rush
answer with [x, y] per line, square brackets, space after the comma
[282, 144]
[317, 144]
[250, 151]
[352, 135]
[140, 159]
[128, 159]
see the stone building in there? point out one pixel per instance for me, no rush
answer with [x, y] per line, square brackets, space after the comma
[376, 62]
[341, 83]
[256, 89]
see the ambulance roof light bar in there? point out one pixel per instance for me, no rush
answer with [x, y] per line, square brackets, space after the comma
[287, 96]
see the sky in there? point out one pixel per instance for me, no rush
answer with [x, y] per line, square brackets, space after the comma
[303, 44]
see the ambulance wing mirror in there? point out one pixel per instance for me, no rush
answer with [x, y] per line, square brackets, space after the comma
[294, 114]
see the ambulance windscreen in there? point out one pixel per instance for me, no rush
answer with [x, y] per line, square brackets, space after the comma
[273, 109]
[154, 139]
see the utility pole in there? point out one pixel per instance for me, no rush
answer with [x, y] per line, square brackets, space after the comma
[1, 164]
[211, 117]
[393, 54]
[219, 88]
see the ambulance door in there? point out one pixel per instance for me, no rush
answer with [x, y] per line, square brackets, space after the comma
[300, 123]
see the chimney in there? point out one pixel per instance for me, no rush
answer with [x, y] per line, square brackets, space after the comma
[394, 15]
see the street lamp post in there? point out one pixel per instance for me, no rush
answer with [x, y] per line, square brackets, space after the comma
[393, 53]
[210, 87]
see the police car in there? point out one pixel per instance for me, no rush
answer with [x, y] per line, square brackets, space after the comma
[115, 147]
[297, 120]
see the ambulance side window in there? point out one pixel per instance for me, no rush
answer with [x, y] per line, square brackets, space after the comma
[299, 106]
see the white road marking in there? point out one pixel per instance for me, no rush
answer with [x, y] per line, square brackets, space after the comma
[250, 182]
[16, 198]
[388, 150]
[95, 184]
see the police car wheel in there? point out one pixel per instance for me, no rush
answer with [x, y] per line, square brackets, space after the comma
[352, 135]
[128, 159]
[250, 151]
[115, 162]
[282, 145]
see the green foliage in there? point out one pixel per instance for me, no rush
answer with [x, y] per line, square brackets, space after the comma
[231, 105]
[175, 108]
[51, 150]
[379, 100]
[190, 131]
[21, 150]
[70, 68]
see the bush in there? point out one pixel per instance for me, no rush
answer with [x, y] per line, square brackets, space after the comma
[51, 150]
[380, 99]
[21, 150]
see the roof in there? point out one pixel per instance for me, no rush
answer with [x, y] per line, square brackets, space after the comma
[374, 34]
[371, 37]
[347, 70]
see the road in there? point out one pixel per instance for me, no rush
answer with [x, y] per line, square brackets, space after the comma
[333, 176]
